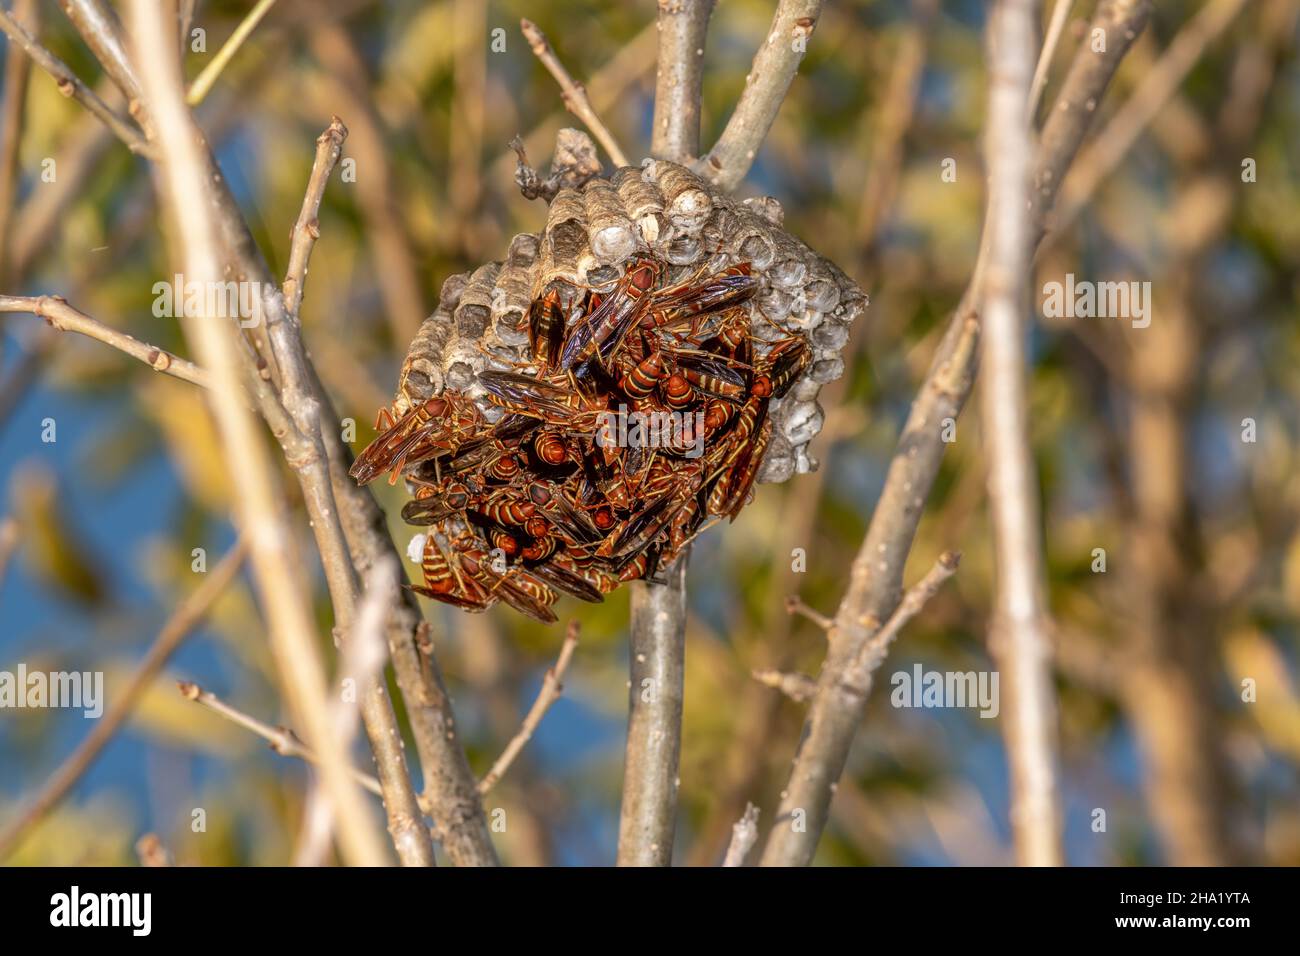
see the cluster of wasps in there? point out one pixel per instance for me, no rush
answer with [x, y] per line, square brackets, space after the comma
[549, 497]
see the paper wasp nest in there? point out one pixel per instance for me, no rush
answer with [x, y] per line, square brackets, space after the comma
[592, 231]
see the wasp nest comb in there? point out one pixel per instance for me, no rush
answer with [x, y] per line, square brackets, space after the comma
[573, 416]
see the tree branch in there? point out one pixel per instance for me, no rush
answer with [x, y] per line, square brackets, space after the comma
[743, 837]
[99, 26]
[59, 315]
[1060, 13]
[552, 688]
[770, 77]
[305, 451]
[183, 181]
[282, 740]
[450, 786]
[69, 85]
[683, 25]
[204, 82]
[875, 580]
[918, 595]
[178, 627]
[1018, 636]
[573, 92]
[1157, 86]
[654, 726]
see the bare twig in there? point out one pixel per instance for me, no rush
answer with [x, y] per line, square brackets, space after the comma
[1124, 128]
[683, 25]
[63, 317]
[770, 77]
[918, 595]
[573, 92]
[654, 726]
[795, 605]
[306, 230]
[450, 785]
[70, 85]
[798, 687]
[609, 83]
[204, 82]
[1018, 635]
[743, 837]
[362, 660]
[99, 26]
[552, 688]
[1075, 107]
[1060, 13]
[183, 177]
[304, 448]
[875, 580]
[179, 626]
[282, 740]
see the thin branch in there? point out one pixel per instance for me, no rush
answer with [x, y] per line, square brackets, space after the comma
[99, 26]
[177, 628]
[304, 449]
[183, 178]
[204, 82]
[1018, 635]
[59, 315]
[609, 84]
[69, 85]
[744, 834]
[795, 605]
[918, 595]
[1158, 85]
[654, 726]
[450, 787]
[282, 740]
[552, 688]
[1071, 116]
[769, 81]
[800, 688]
[875, 579]
[364, 653]
[1060, 13]
[683, 25]
[306, 230]
[573, 92]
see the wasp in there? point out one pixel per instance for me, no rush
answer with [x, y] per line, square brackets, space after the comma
[601, 332]
[467, 576]
[438, 426]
